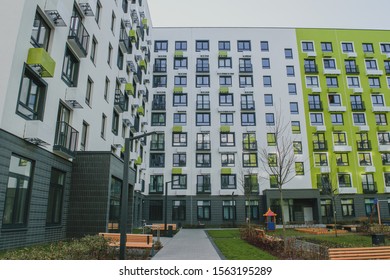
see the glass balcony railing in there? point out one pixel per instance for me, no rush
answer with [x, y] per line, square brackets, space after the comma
[66, 139]
[78, 37]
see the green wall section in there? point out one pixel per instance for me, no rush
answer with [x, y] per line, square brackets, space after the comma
[336, 38]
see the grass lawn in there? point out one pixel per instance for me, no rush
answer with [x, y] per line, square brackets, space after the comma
[233, 248]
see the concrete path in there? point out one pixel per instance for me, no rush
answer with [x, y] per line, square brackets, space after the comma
[188, 244]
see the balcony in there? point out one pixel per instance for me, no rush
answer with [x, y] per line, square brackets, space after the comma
[374, 72]
[249, 146]
[141, 111]
[37, 133]
[320, 145]
[358, 106]
[121, 102]
[203, 145]
[65, 142]
[246, 68]
[315, 106]
[311, 69]
[332, 71]
[369, 188]
[352, 70]
[158, 105]
[202, 105]
[133, 36]
[157, 146]
[38, 57]
[364, 145]
[129, 89]
[125, 42]
[384, 146]
[202, 68]
[247, 105]
[78, 37]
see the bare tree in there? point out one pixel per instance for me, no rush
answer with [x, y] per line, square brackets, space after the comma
[278, 161]
[248, 183]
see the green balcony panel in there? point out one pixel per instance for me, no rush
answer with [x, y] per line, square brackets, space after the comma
[129, 89]
[177, 171]
[138, 161]
[178, 90]
[226, 171]
[177, 128]
[142, 64]
[39, 56]
[223, 54]
[179, 53]
[133, 36]
[223, 90]
[145, 22]
[141, 111]
[225, 128]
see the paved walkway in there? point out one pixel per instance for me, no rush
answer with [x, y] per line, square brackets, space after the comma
[187, 244]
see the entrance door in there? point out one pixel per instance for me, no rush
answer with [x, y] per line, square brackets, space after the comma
[308, 214]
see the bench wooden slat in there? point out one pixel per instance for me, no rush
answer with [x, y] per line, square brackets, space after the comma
[360, 253]
[132, 240]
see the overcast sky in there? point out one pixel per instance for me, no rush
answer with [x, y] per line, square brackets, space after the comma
[359, 14]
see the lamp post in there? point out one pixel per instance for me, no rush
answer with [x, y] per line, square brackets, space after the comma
[166, 204]
[233, 210]
[125, 194]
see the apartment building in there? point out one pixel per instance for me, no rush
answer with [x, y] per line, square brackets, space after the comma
[74, 84]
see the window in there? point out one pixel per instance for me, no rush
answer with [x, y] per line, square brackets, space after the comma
[337, 119]
[377, 100]
[157, 142]
[40, 33]
[228, 181]
[248, 119]
[292, 89]
[320, 159]
[202, 65]
[334, 100]
[264, 46]
[180, 63]
[351, 67]
[314, 102]
[353, 82]
[247, 102]
[294, 108]
[356, 102]
[70, 68]
[326, 46]
[347, 47]
[265, 63]
[245, 65]
[385, 47]
[17, 195]
[273, 181]
[272, 160]
[160, 65]
[180, 118]
[179, 99]
[113, 18]
[159, 81]
[339, 139]
[290, 71]
[158, 119]
[156, 210]
[156, 184]
[297, 145]
[269, 119]
[370, 206]
[203, 209]
[249, 160]
[371, 64]
[243, 46]
[202, 102]
[311, 81]
[288, 53]
[180, 160]
[202, 81]
[252, 209]
[161, 46]
[384, 138]
[106, 88]
[316, 119]
[344, 180]
[268, 100]
[299, 169]
[84, 135]
[385, 158]
[307, 46]
[88, 94]
[227, 139]
[109, 54]
[374, 82]
[246, 81]
[103, 126]
[180, 80]
[115, 122]
[387, 179]
[203, 160]
[225, 62]
[332, 82]
[178, 210]
[203, 183]
[93, 50]
[368, 47]
[267, 82]
[179, 182]
[32, 95]
[347, 207]
[226, 99]
[296, 127]
[225, 80]
[226, 119]
[181, 45]
[98, 12]
[365, 159]
[227, 160]
[381, 119]
[342, 159]
[329, 63]
[310, 66]
[202, 119]
[224, 45]
[179, 139]
[115, 200]
[229, 210]
[249, 141]
[359, 119]
[157, 160]
[202, 46]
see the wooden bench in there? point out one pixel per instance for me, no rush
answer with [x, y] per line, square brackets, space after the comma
[142, 241]
[162, 226]
[362, 253]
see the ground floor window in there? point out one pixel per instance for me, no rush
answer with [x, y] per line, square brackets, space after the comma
[56, 192]
[370, 206]
[156, 210]
[229, 209]
[204, 209]
[252, 209]
[347, 207]
[115, 204]
[179, 210]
